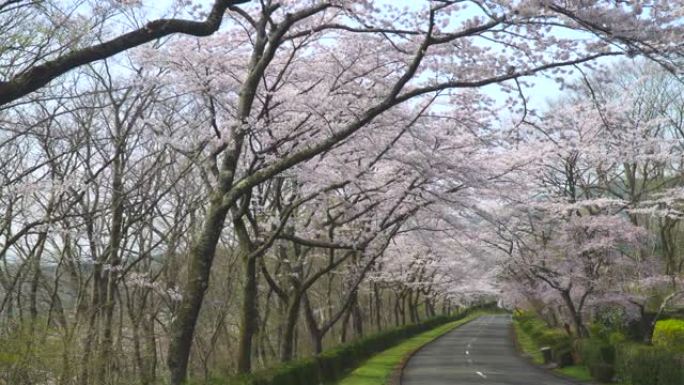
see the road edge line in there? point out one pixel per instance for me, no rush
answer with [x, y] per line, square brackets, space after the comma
[398, 373]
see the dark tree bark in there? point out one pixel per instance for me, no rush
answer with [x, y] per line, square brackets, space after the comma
[293, 308]
[357, 318]
[314, 331]
[576, 314]
[378, 307]
[201, 258]
[248, 323]
[345, 325]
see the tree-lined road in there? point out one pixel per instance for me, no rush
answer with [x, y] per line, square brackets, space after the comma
[240, 183]
[480, 352]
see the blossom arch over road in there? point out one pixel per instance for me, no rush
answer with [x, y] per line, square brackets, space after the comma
[181, 189]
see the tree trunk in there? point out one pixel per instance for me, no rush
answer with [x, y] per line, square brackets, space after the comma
[411, 308]
[357, 318]
[315, 333]
[429, 308]
[35, 281]
[574, 314]
[149, 374]
[416, 303]
[648, 336]
[248, 323]
[201, 258]
[396, 310]
[345, 324]
[378, 308]
[402, 309]
[648, 322]
[287, 348]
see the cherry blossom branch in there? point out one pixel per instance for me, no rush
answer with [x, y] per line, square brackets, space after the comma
[38, 76]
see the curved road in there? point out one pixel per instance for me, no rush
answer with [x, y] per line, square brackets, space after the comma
[479, 352]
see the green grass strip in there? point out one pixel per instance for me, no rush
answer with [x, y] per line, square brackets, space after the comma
[527, 344]
[578, 372]
[377, 370]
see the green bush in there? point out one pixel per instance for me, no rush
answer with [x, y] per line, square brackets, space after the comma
[616, 338]
[607, 355]
[601, 371]
[595, 350]
[648, 365]
[530, 323]
[599, 356]
[553, 337]
[30, 355]
[334, 363]
[609, 318]
[669, 334]
[544, 336]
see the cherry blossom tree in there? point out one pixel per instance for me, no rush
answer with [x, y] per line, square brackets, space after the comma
[36, 60]
[275, 91]
[609, 151]
[309, 159]
[580, 258]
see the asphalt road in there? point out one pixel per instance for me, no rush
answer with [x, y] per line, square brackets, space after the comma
[479, 352]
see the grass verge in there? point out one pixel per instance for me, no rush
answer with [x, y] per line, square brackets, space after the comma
[377, 370]
[578, 372]
[527, 345]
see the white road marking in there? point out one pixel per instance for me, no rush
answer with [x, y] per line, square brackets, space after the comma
[481, 375]
[467, 352]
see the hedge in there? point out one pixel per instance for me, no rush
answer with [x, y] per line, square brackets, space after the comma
[599, 357]
[544, 336]
[638, 364]
[669, 334]
[335, 363]
[597, 350]
[630, 362]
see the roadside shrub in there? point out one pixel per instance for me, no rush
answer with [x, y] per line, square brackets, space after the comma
[616, 338]
[553, 337]
[648, 365]
[595, 350]
[562, 356]
[530, 323]
[601, 371]
[669, 334]
[599, 356]
[560, 344]
[544, 336]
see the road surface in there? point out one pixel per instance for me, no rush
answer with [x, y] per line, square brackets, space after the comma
[479, 352]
